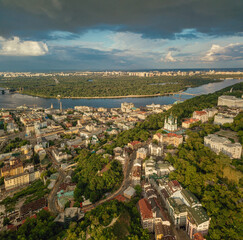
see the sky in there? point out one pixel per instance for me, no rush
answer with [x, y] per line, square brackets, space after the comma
[62, 35]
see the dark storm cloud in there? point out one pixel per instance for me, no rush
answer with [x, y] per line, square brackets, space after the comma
[153, 18]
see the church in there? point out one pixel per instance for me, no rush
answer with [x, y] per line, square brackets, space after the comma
[170, 124]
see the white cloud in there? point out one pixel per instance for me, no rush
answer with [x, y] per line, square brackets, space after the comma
[168, 58]
[233, 51]
[16, 47]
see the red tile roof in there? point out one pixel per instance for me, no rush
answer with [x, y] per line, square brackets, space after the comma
[190, 120]
[200, 112]
[145, 209]
[120, 198]
[174, 135]
[135, 143]
[198, 236]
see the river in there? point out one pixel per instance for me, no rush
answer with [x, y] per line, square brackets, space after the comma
[8, 100]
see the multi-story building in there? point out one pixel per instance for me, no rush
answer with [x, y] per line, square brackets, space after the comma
[187, 122]
[222, 144]
[173, 139]
[155, 150]
[177, 210]
[200, 115]
[141, 153]
[230, 101]
[197, 221]
[126, 107]
[150, 168]
[158, 137]
[14, 167]
[146, 213]
[221, 119]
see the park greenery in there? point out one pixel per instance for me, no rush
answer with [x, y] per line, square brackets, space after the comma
[42, 227]
[101, 182]
[112, 220]
[102, 86]
[15, 143]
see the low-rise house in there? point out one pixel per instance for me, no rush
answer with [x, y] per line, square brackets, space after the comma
[222, 144]
[129, 192]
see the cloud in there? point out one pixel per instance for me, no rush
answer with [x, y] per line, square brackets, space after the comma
[226, 53]
[168, 58]
[16, 47]
[174, 49]
[151, 18]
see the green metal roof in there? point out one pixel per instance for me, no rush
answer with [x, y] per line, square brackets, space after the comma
[198, 215]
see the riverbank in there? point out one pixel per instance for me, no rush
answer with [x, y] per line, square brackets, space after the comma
[110, 97]
[13, 100]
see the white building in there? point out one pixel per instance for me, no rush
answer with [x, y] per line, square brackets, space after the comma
[170, 124]
[126, 107]
[222, 144]
[230, 101]
[155, 150]
[221, 119]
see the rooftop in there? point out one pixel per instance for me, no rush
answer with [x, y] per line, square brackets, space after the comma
[197, 215]
[145, 209]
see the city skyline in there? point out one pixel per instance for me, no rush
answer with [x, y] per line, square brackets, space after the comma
[77, 35]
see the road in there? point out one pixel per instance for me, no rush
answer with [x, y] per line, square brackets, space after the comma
[53, 194]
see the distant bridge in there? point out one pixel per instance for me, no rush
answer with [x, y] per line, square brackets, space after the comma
[184, 93]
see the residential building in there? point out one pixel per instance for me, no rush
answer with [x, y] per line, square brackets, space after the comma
[173, 139]
[221, 119]
[150, 168]
[141, 153]
[200, 115]
[187, 122]
[158, 137]
[155, 150]
[126, 107]
[146, 213]
[197, 221]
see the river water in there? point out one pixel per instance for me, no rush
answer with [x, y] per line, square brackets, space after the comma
[8, 100]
